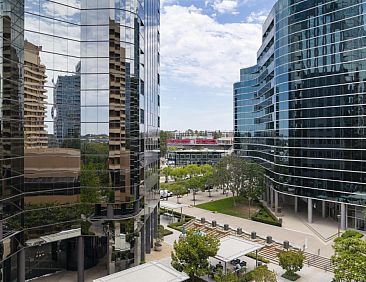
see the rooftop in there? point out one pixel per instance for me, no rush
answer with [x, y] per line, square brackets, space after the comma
[151, 271]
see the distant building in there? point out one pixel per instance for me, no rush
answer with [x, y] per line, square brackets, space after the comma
[198, 147]
[35, 134]
[67, 107]
[201, 134]
[199, 157]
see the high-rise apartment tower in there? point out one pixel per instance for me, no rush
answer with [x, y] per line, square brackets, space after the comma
[79, 135]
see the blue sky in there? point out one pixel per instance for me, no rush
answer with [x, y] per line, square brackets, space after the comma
[204, 43]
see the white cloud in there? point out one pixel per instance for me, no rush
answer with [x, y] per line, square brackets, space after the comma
[197, 49]
[226, 6]
[167, 2]
[257, 17]
[62, 11]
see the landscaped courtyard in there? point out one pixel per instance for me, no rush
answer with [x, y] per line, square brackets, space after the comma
[240, 208]
[227, 206]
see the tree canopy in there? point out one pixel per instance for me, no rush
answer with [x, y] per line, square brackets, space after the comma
[192, 252]
[349, 259]
[291, 261]
[240, 176]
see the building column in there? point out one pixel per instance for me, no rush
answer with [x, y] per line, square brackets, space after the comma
[156, 221]
[142, 246]
[272, 198]
[110, 211]
[276, 202]
[21, 265]
[152, 223]
[148, 236]
[323, 209]
[80, 246]
[343, 216]
[296, 204]
[310, 210]
[1, 229]
[109, 254]
[268, 191]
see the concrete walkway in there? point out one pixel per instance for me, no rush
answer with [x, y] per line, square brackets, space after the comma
[307, 274]
[293, 229]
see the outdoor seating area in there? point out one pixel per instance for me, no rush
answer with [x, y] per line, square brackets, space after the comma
[231, 256]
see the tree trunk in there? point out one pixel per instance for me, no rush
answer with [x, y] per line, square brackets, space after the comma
[209, 192]
[249, 207]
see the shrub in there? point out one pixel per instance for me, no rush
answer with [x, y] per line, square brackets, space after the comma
[291, 262]
[265, 216]
[352, 234]
[178, 225]
[260, 258]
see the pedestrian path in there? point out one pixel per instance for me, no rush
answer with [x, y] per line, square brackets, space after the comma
[301, 240]
[270, 250]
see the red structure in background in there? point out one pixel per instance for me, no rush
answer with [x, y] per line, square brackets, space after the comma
[192, 142]
[206, 141]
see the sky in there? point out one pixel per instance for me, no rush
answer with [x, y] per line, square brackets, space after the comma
[204, 43]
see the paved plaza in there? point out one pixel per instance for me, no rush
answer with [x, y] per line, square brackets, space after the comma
[295, 228]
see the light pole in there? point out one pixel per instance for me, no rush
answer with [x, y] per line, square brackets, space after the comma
[194, 197]
[339, 221]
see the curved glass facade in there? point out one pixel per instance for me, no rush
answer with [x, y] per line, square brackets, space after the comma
[80, 134]
[301, 110]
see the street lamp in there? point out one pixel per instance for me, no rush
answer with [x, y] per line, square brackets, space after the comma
[194, 197]
[339, 221]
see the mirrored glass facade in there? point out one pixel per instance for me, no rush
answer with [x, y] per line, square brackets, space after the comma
[301, 112]
[79, 135]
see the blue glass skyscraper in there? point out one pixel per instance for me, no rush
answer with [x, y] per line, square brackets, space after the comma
[300, 112]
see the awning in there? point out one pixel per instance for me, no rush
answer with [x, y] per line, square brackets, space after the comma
[151, 272]
[232, 247]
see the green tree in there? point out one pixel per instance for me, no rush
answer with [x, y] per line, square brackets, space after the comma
[164, 136]
[90, 189]
[349, 259]
[220, 175]
[229, 277]
[178, 189]
[291, 261]
[179, 173]
[167, 171]
[192, 252]
[253, 180]
[263, 274]
[192, 170]
[233, 168]
[206, 169]
[217, 134]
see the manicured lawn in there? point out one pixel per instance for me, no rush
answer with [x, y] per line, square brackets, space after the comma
[226, 206]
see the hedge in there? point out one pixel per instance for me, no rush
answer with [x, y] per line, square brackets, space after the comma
[352, 234]
[176, 214]
[260, 258]
[177, 225]
[265, 216]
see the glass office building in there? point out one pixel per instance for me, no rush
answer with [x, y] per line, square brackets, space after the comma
[301, 113]
[79, 135]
